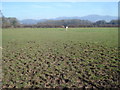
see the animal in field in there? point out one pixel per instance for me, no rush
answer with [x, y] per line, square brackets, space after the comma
[66, 28]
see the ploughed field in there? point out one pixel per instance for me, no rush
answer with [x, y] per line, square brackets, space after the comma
[53, 57]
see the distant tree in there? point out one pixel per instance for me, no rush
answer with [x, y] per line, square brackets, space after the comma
[101, 22]
[64, 23]
[72, 23]
[114, 22]
[9, 22]
[5, 22]
[13, 21]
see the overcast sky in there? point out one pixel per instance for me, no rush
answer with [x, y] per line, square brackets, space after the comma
[45, 10]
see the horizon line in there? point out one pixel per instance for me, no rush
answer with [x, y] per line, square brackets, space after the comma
[58, 17]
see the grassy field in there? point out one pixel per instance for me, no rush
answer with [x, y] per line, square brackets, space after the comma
[53, 57]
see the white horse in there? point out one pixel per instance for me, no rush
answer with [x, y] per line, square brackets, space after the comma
[66, 28]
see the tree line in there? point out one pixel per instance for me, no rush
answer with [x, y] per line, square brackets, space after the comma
[12, 22]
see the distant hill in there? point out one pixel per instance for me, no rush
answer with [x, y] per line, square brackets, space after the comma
[30, 21]
[95, 18]
[92, 18]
